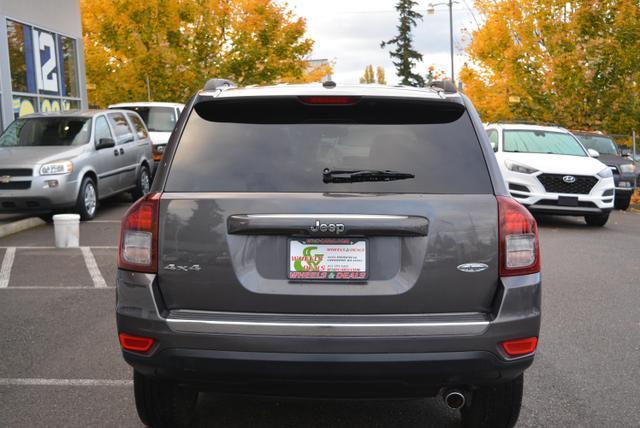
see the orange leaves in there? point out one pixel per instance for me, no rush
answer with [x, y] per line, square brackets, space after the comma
[178, 45]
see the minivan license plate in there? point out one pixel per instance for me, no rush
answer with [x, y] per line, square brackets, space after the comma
[330, 259]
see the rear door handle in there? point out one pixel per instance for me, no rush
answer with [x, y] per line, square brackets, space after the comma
[121, 151]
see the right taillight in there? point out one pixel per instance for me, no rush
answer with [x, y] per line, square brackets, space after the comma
[157, 152]
[139, 236]
[519, 247]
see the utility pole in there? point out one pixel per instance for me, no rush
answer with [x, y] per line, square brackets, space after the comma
[148, 88]
[453, 74]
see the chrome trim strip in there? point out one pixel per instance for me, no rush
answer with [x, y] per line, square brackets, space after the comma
[327, 329]
[329, 216]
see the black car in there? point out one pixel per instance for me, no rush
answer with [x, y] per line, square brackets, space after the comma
[328, 241]
[625, 171]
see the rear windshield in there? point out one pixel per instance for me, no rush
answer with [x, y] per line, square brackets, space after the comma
[555, 143]
[47, 131]
[157, 119]
[279, 157]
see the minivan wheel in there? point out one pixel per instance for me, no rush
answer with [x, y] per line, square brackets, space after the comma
[496, 406]
[597, 220]
[162, 403]
[87, 202]
[143, 183]
[622, 203]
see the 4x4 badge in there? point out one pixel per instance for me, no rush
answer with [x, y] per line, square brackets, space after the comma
[472, 267]
[192, 268]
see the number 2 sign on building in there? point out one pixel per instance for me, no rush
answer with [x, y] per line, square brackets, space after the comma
[45, 61]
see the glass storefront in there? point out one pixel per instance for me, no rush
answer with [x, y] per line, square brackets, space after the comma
[44, 70]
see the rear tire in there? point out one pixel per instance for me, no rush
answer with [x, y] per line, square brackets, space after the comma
[496, 406]
[597, 220]
[163, 404]
[87, 202]
[143, 183]
[622, 203]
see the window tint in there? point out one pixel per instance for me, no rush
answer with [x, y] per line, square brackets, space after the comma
[493, 138]
[246, 157]
[102, 129]
[141, 131]
[47, 131]
[123, 131]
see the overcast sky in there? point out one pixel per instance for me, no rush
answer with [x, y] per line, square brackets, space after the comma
[349, 33]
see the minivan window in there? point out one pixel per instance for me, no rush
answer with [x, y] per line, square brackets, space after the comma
[141, 131]
[529, 141]
[604, 145]
[123, 131]
[47, 131]
[102, 129]
[276, 157]
[157, 119]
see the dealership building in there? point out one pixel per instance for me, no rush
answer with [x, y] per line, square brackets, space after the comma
[41, 58]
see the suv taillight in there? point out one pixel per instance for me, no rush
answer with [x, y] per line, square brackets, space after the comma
[139, 236]
[519, 247]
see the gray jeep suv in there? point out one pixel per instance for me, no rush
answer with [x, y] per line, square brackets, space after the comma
[327, 241]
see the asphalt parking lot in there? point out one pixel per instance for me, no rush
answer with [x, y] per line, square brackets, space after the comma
[60, 364]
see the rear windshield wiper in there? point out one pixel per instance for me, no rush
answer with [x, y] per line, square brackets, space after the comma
[352, 176]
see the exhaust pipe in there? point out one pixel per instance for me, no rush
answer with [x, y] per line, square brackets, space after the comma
[454, 399]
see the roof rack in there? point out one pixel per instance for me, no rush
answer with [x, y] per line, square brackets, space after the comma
[215, 84]
[445, 86]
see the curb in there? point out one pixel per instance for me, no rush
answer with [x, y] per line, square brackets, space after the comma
[20, 225]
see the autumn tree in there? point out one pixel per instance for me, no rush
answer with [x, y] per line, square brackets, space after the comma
[368, 75]
[573, 63]
[380, 77]
[177, 45]
[405, 56]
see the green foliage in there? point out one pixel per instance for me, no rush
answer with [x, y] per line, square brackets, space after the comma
[405, 56]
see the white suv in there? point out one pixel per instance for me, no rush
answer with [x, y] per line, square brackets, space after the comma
[549, 171]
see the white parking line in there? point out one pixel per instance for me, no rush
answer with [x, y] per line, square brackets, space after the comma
[94, 247]
[62, 287]
[7, 263]
[92, 267]
[63, 382]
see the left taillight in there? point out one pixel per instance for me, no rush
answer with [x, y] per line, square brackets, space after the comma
[519, 245]
[138, 250]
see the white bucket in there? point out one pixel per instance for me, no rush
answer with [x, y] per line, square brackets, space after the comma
[67, 230]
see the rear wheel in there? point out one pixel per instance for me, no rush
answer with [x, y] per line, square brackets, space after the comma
[162, 403]
[143, 183]
[87, 202]
[597, 220]
[496, 406]
[622, 203]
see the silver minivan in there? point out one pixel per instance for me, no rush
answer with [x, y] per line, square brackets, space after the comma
[71, 160]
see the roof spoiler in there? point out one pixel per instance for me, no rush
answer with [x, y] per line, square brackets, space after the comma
[215, 84]
[444, 85]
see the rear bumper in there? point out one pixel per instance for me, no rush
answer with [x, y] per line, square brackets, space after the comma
[299, 357]
[328, 375]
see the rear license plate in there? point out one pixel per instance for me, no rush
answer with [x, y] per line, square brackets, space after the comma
[330, 259]
[568, 201]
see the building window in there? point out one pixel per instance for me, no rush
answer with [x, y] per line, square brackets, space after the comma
[23, 105]
[44, 70]
[70, 67]
[18, 36]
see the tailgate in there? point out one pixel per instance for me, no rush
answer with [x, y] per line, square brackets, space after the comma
[234, 252]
